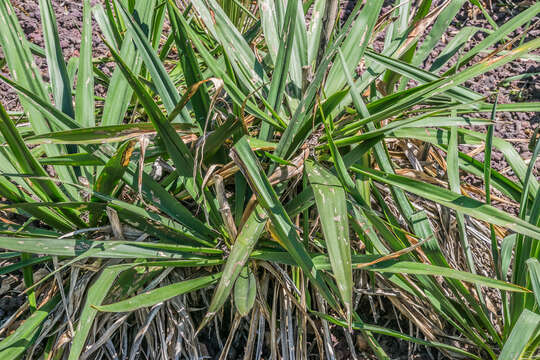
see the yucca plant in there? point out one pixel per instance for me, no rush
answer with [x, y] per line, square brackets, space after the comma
[267, 171]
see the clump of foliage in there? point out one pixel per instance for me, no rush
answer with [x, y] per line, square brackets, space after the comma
[258, 163]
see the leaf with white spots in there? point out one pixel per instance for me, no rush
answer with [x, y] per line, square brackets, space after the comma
[332, 208]
[96, 294]
[243, 246]
[153, 297]
[245, 290]
[284, 231]
[103, 249]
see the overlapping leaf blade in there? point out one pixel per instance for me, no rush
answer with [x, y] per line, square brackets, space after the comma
[332, 209]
